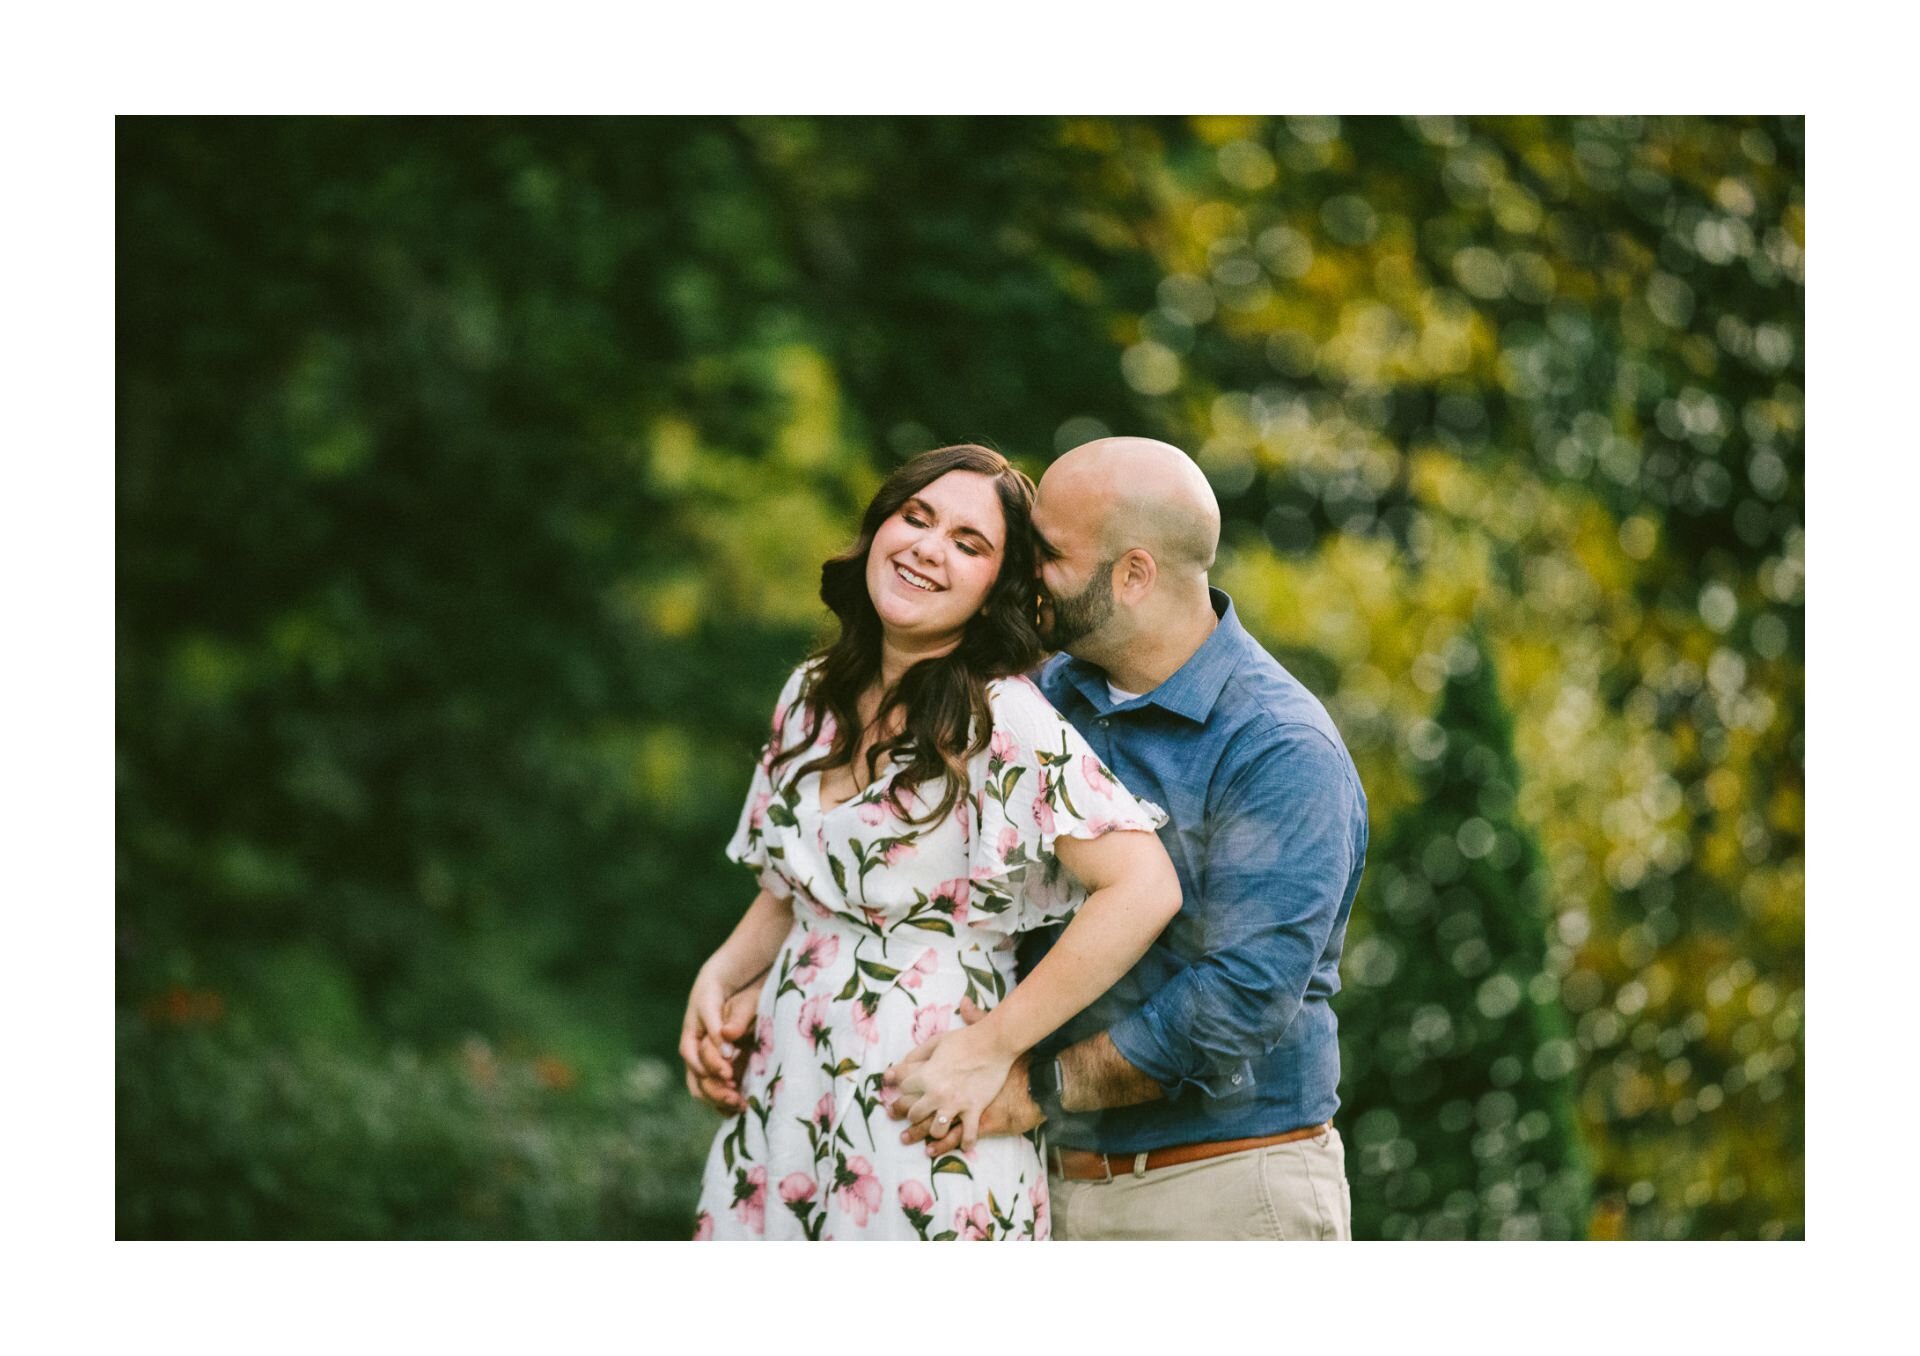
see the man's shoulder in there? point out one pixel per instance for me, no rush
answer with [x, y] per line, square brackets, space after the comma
[1270, 714]
[1261, 691]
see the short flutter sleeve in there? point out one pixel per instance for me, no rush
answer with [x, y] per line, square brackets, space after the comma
[755, 841]
[1036, 781]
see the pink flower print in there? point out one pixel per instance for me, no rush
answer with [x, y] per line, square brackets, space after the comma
[926, 965]
[931, 1021]
[858, 1189]
[873, 813]
[1002, 747]
[877, 918]
[757, 818]
[750, 1198]
[1009, 840]
[953, 894]
[816, 953]
[899, 851]
[864, 1024]
[822, 1117]
[779, 722]
[916, 1202]
[1097, 777]
[1096, 827]
[762, 1045]
[813, 1020]
[702, 1227]
[973, 1222]
[1043, 815]
[795, 1187]
[1042, 1224]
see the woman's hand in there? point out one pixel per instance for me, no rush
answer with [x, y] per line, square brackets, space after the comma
[950, 1080]
[712, 1025]
[715, 1023]
[1011, 1112]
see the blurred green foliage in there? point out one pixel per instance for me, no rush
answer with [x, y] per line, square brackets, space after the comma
[230, 1138]
[473, 481]
[1459, 1057]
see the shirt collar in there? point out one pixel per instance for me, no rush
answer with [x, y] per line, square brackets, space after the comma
[1194, 687]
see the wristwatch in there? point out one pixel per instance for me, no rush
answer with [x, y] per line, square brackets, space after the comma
[1046, 1084]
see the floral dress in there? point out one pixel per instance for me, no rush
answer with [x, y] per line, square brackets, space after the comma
[894, 924]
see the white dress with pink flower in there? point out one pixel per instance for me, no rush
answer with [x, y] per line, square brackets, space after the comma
[894, 924]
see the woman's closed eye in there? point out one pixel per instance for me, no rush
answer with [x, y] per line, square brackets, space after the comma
[915, 520]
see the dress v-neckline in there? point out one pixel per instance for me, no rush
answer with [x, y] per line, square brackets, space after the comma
[819, 787]
[825, 736]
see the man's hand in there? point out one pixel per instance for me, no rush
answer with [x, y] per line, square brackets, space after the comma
[716, 1055]
[1011, 1112]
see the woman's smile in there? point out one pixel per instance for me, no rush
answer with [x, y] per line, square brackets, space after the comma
[916, 579]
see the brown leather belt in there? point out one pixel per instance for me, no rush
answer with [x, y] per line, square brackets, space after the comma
[1084, 1165]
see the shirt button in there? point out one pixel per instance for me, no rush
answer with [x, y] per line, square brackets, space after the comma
[1238, 1079]
[1104, 722]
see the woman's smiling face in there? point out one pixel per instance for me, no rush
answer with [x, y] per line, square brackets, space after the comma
[934, 561]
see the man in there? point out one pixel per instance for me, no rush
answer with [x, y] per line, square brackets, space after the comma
[1195, 1099]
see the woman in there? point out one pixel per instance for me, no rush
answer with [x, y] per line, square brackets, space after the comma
[918, 804]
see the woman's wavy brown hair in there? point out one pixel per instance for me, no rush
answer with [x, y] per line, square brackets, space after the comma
[943, 700]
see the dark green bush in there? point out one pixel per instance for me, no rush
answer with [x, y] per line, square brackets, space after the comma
[219, 1136]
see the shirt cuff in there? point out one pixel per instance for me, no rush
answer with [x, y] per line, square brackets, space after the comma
[1142, 1042]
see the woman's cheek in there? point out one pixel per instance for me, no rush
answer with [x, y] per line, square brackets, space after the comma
[980, 578]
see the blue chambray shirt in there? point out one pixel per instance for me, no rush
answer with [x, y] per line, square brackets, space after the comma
[1267, 826]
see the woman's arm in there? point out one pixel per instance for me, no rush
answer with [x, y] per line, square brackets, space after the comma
[754, 941]
[745, 955]
[1134, 893]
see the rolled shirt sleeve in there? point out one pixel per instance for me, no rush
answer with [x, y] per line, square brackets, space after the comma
[1279, 857]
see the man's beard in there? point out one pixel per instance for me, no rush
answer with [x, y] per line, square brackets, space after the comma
[1077, 617]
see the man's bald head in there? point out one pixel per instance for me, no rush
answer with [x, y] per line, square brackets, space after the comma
[1143, 493]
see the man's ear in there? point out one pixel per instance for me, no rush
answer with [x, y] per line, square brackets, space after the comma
[1135, 575]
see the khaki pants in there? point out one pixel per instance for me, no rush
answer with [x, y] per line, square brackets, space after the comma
[1287, 1191]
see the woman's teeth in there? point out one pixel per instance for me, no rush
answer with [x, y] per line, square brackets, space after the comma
[919, 581]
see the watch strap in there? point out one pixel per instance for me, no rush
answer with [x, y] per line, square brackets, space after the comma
[1045, 1082]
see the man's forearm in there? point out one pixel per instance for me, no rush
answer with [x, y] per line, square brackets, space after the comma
[1094, 1075]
